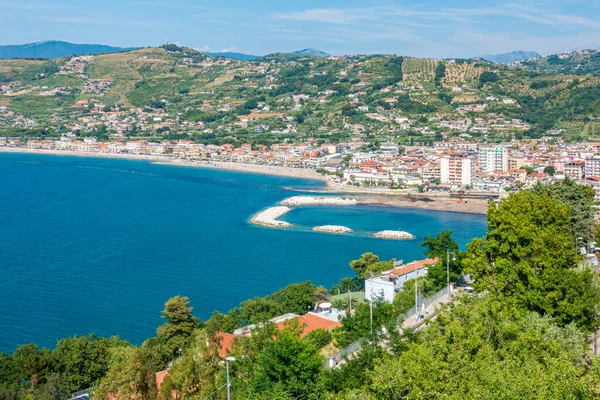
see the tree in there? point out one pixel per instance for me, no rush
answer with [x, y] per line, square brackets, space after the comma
[438, 246]
[195, 373]
[579, 199]
[291, 362]
[180, 322]
[358, 325]
[405, 298]
[128, 377]
[362, 265]
[550, 170]
[480, 349]
[528, 259]
[296, 298]
[84, 360]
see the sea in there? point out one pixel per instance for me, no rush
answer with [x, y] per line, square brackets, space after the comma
[92, 245]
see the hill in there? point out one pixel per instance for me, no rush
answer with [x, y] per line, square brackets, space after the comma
[580, 62]
[54, 49]
[312, 52]
[513, 56]
[288, 96]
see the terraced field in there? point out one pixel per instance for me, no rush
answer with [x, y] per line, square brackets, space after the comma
[459, 73]
[419, 69]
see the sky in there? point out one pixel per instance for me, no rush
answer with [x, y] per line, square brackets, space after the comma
[422, 28]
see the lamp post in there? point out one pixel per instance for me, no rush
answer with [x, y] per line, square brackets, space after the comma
[227, 361]
[448, 252]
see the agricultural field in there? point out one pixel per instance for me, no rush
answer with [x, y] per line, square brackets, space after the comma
[419, 69]
[457, 73]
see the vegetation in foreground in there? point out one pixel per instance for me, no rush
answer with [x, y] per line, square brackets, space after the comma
[522, 335]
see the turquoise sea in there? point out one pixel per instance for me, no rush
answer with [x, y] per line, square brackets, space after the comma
[98, 245]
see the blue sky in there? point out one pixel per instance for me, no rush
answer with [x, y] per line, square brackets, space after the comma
[434, 28]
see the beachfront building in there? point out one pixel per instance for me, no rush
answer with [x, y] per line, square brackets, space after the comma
[592, 166]
[493, 158]
[388, 283]
[457, 168]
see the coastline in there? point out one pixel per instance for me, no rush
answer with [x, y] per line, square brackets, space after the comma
[383, 197]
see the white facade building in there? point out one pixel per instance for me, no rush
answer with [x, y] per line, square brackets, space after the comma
[493, 158]
[457, 169]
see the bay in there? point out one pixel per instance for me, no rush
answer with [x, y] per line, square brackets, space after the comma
[98, 245]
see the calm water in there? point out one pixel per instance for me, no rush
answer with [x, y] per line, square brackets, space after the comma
[95, 245]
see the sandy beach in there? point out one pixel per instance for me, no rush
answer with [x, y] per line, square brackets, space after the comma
[167, 160]
[436, 204]
[386, 197]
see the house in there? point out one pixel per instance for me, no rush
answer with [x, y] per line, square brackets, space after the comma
[310, 322]
[388, 283]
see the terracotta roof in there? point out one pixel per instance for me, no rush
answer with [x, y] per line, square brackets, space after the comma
[160, 377]
[414, 266]
[225, 342]
[312, 322]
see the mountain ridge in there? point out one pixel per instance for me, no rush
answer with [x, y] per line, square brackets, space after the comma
[53, 49]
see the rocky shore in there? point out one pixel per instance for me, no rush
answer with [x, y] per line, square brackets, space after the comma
[268, 217]
[323, 200]
[394, 235]
[336, 229]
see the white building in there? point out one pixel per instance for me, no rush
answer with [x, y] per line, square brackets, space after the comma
[493, 158]
[457, 169]
[592, 166]
[386, 285]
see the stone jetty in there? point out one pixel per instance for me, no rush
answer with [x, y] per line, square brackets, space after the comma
[340, 230]
[269, 217]
[394, 235]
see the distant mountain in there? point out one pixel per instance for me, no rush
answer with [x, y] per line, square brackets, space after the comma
[54, 49]
[312, 52]
[513, 56]
[235, 56]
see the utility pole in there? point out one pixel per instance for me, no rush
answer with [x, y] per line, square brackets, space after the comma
[448, 252]
[417, 295]
[227, 360]
[350, 294]
[371, 306]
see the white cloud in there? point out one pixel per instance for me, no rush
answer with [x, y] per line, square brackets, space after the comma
[203, 48]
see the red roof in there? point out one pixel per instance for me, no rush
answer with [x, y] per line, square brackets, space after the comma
[312, 322]
[225, 343]
[414, 266]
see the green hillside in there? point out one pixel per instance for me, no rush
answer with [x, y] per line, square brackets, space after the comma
[581, 62]
[334, 98]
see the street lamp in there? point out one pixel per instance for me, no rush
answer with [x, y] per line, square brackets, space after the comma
[448, 252]
[227, 361]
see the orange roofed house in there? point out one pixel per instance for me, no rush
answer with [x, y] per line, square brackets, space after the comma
[388, 283]
[310, 322]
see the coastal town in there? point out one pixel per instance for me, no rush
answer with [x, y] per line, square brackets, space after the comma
[455, 165]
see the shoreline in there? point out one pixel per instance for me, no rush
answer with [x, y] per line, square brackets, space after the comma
[382, 197]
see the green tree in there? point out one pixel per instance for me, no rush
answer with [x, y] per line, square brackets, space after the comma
[128, 377]
[291, 362]
[480, 349]
[550, 170]
[296, 298]
[84, 360]
[527, 258]
[194, 375]
[180, 322]
[579, 199]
